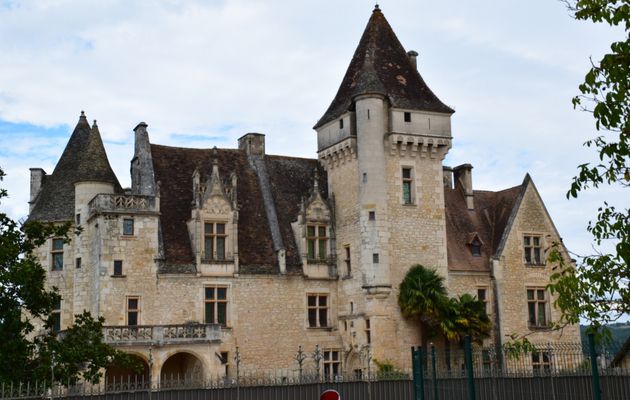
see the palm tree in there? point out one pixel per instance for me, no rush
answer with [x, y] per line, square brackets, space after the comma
[423, 295]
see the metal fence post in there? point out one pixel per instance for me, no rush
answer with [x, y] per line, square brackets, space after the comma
[469, 368]
[434, 373]
[418, 373]
[597, 390]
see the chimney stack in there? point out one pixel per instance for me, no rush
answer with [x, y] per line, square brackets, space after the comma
[447, 173]
[37, 179]
[252, 143]
[413, 57]
[463, 179]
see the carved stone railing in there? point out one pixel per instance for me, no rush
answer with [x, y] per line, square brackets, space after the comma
[158, 335]
[121, 203]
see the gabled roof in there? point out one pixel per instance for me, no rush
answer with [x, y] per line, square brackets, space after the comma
[381, 65]
[488, 221]
[291, 179]
[84, 159]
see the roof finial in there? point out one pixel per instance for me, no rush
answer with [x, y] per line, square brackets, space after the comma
[82, 114]
[376, 8]
[94, 125]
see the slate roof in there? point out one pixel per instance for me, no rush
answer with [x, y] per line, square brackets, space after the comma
[291, 179]
[380, 65]
[488, 221]
[84, 159]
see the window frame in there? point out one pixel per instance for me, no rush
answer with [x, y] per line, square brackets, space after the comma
[331, 363]
[407, 116]
[533, 249]
[541, 362]
[407, 186]
[317, 308]
[56, 317]
[368, 331]
[214, 237]
[129, 310]
[125, 232]
[485, 299]
[217, 304]
[118, 268]
[56, 253]
[534, 312]
[316, 244]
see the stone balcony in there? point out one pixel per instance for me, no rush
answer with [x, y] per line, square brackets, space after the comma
[122, 203]
[159, 335]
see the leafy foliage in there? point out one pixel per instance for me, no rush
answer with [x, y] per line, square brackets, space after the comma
[465, 316]
[597, 288]
[27, 354]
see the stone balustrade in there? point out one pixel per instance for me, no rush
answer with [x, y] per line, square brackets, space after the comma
[157, 335]
[122, 203]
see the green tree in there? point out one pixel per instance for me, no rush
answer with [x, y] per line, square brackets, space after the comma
[423, 295]
[465, 316]
[597, 289]
[26, 354]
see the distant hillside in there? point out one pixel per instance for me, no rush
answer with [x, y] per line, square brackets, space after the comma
[619, 334]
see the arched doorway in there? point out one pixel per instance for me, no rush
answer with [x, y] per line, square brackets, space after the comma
[121, 377]
[181, 369]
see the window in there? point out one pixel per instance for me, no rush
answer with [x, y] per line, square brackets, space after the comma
[486, 361]
[475, 247]
[77, 219]
[368, 332]
[316, 240]
[481, 295]
[78, 263]
[216, 305]
[541, 362]
[57, 254]
[317, 305]
[332, 364]
[407, 185]
[214, 241]
[56, 317]
[118, 268]
[347, 260]
[341, 123]
[407, 116]
[128, 226]
[375, 258]
[532, 247]
[537, 308]
[372, 215]
[133, 311]
[225, 361]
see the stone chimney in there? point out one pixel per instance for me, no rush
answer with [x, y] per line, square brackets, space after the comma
[463, 179]
[447, 173]
[142, 174]
[37, 179]
[252, 143]
[413, 57]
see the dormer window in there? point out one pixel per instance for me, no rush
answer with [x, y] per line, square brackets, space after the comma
[317, 240]
[214, 241]
[475, 247]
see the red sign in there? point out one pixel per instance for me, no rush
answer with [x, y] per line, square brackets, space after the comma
[330, 395]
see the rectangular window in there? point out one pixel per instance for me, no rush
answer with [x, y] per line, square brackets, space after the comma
[78, 263]
[341, 123]
[128, 227]
[407, 186]
[537, 308]
[317, 241]
[225, 361]
[216, 305]
[332, 364]
[347, 260]
[56, 317]
[118, 268]
[368, 332]
[532, 247]
[541, 362]
[375, 258]
[57, 254]
[214, 240]
[407, 116]
[317, 305]
[133, 311]
[481, 295]
[372, 215]
[77, 219]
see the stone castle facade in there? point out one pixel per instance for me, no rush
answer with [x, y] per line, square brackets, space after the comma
[214, 250]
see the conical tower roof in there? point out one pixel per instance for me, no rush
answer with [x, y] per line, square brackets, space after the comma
[84, 159]
[381, 65]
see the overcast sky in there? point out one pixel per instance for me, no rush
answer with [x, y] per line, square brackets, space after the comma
[203, 73]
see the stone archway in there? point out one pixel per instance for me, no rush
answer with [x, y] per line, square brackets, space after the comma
[124, 377]
[353, 366]
[181, 369]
